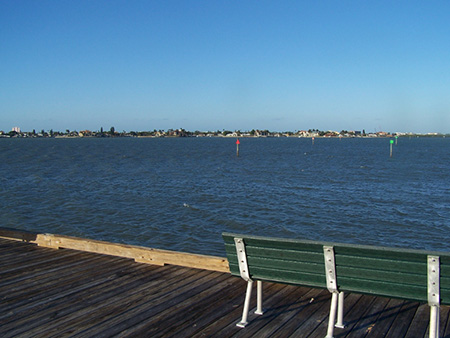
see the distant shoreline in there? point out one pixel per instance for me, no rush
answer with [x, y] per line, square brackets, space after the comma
[226, 137]
[310, 133]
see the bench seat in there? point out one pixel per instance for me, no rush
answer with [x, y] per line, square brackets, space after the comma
[415, 275]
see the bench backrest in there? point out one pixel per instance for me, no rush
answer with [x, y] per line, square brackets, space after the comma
[390, 272]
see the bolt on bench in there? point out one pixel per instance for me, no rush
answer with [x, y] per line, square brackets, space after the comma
[415, 275]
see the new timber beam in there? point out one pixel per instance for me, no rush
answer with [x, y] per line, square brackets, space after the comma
[138, 253]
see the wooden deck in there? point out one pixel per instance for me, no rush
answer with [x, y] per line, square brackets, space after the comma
[46, 292]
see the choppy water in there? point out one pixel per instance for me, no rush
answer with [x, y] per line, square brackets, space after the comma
[180, 194]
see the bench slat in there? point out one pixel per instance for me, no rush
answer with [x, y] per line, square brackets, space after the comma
[286, 255]
[289, 277]
[288, 265]
[380, 252]
[410, 292]
[288, 245]
[379, 275]
[276, 266]
[362, 261]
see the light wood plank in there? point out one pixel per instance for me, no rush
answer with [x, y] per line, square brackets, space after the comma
[138, 253]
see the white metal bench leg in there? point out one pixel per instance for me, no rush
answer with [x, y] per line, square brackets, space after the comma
[434, 321]
[332, 318]
[434, 294]
[248, 295]
[337, 298]
[340, 312]
[259, 309]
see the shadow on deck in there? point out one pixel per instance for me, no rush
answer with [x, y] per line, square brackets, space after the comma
[66, 293]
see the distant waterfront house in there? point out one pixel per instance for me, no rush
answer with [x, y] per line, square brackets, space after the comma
[260, 133]
[85, 133]
[303, 133]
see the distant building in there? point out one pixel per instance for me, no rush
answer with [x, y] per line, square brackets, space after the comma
[85, 133]
[16, 129]
[304, 133]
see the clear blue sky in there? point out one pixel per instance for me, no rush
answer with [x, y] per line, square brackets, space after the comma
[236, 65]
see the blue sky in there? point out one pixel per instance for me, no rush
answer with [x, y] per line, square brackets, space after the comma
[236, 65]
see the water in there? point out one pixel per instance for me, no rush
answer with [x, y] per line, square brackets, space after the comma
[181, 194]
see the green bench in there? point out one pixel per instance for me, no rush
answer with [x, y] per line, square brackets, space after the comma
[391, 272]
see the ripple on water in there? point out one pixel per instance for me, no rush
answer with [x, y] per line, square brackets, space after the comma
[180, 194]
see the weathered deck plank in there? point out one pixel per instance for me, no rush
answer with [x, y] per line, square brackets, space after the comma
[66, 300]
[66, 293]
[359, 320]
[92, 315]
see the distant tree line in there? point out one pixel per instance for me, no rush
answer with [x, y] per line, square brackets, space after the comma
[185, 133]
